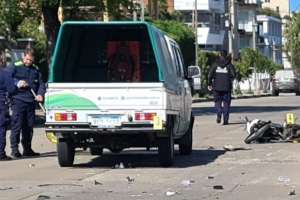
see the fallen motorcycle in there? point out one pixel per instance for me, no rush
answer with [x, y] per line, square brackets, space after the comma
[260, 131]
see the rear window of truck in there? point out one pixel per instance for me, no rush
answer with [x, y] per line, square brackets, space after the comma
[105, 53]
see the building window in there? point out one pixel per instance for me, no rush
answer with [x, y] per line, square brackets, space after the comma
[267, 1]
[277, 9]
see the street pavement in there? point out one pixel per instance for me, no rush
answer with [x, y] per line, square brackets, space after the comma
[255, 171]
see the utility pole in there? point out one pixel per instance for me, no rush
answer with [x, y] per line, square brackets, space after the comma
[196, 32]
[274, 51]
[254, 24]
[233, 33]
[142, 10]
[254, 31]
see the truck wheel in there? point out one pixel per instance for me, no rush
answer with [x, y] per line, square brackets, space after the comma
[186, 142]
[166, 145]
[96, 151]
[66, 153]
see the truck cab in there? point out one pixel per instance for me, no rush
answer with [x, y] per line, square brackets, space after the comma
[118, 85]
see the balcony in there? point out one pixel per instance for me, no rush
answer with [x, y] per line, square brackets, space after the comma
[206, 5]
[207, 37]
[249, 2]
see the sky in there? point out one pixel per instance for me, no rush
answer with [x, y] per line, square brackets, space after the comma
[295, 4]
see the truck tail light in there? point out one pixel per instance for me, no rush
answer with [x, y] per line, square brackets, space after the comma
[140, 116]
[65, 117]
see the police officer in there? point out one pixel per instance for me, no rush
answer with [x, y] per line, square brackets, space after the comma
[220, 80]
[6, 86]
[27, 78]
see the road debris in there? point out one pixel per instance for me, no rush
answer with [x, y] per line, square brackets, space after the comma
[210, 177]
[130, 180]
[187, 183]
[292, 192]
[218, 187]
[170, 193]
[43, 197]
[6, 188]
[97, 183]
[31, 165]
[284, 179]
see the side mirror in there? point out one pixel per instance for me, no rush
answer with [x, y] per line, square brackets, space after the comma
[194, 73]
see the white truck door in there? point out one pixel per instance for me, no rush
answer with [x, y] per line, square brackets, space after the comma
[181, 87]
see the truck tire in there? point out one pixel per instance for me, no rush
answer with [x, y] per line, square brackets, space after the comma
[65, 153]
[186, 142]
[166, 145]
[96, 151]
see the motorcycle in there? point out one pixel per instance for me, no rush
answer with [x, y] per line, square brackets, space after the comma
[260, 131]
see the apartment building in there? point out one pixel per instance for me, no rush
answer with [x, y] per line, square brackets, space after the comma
[210, 28]
[269, 40]
[280, 6]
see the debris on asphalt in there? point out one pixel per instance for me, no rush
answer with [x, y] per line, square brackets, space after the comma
[292, 192]
[229, 147]
[284, 179]
[187, 183]
[43, 197]
[121, 166]
[31, 165]
[48, 185]
[170, 193]
[130, 180]
[6, 188]
[210, 177]
[243, 173]
[97, 183]
[218, 187]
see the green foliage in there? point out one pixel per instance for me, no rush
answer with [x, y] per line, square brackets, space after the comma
[206, 60]
[182, 34]
[29, 28]
[269, 12]
[292, 35]
[253, 59]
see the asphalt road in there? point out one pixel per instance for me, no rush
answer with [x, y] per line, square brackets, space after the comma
[256, 171]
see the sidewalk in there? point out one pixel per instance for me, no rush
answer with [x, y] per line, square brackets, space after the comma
[242, 96]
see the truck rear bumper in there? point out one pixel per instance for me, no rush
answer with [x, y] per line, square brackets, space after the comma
[86, 128]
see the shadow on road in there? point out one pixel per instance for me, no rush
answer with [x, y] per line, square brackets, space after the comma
[140, 159]
[200, 111]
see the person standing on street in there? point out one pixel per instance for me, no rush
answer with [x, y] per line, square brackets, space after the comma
[220, 80]
[6, 87]
[28, 79]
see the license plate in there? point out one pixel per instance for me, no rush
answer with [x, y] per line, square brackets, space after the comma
[105, 121]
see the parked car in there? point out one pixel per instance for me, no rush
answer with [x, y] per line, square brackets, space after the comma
[118, 85]
[285, 81]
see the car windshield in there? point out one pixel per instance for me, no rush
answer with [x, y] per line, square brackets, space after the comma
[284, 74]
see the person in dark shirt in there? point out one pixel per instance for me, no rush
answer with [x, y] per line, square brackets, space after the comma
[220, 80]
[6, 87]
[28, 79]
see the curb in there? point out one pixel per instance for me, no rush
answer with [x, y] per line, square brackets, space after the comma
[198, 100]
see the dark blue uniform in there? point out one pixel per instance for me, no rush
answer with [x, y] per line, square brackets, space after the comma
[23, 106]
[6, 86]
[220, 78]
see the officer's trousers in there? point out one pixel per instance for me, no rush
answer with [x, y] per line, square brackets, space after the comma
[3, 127]
[222, 104]
[22, 121]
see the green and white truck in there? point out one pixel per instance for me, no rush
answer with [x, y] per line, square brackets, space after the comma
[118, 85]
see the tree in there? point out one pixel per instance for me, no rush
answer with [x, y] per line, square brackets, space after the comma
[292, 35]
[182, 34]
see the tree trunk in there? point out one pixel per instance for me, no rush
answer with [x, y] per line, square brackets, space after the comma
[52, 26]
